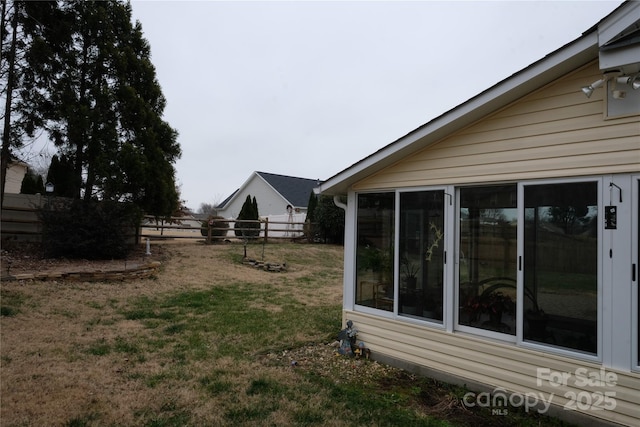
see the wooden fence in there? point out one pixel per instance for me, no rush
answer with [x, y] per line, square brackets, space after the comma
[183, 228]
[21, 222]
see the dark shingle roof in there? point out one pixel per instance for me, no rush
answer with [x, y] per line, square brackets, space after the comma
[295, 190]
[222, 204]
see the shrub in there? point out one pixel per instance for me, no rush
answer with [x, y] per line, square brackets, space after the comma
[88, 230]
[249, 211]
[219, 228]
[330, 221]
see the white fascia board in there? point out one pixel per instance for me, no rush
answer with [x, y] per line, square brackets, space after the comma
[619, 20]
[540, 73]
[242, 187]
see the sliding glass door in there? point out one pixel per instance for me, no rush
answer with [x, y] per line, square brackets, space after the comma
[487, 291]
[421, 254]
[561, 265]
[635, 267]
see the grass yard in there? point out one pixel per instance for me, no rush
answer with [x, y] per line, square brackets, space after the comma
[209, 342]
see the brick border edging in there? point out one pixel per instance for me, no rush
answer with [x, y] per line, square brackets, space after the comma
[137, 272]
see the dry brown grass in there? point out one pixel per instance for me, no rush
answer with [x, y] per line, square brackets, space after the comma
[165, 352]
[49, 377]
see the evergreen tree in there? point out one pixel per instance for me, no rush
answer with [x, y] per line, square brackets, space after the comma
[61, 175]
[254, 209]
[32, 183]
[330, 219]
[91, 85]
[310, 226]
[311, 207]
[249, 211]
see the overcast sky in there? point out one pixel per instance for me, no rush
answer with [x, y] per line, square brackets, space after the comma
[307, 89]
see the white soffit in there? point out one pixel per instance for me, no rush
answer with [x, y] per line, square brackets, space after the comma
[619, 40]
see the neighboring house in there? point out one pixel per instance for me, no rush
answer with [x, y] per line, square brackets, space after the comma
[16, 172]
[497, 245]
[273, 194]
[281, 199]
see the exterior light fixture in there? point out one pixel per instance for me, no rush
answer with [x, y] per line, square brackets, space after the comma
[615, 79]
[588, 90]
[633, 81]
[48, 188]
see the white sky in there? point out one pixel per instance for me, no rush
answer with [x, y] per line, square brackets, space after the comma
[307, 89]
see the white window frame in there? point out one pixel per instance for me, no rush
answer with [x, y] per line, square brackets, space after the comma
[351, 276]
[446, 297]
[456, 282]
[635, 284]
[353, 287]
[617, 330]
[575, 354]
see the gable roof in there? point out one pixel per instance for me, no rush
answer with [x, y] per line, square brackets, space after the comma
[292, 189]
[295, 190]
[586, 48]
[223, 203]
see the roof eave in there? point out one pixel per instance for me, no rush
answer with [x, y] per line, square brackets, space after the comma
[566, 59]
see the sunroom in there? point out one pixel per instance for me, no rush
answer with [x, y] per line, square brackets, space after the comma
[499, 241]
[518, 262]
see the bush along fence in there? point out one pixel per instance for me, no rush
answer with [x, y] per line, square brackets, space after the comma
[221, 229]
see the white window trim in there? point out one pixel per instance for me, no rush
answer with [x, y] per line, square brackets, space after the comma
[562, 351]
[635, 285]
[351, 284]
[396, 286]
[610, 352]
[456, 305]
[350, 287]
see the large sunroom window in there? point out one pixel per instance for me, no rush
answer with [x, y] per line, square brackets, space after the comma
[561, 265]
[375, 250]
[421, 253]
[487, 262]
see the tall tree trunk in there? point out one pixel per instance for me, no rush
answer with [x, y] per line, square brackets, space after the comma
[6, 135]
[81, 133]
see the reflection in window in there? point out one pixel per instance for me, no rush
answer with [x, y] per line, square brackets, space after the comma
[421, 254]
[561, 265]
[375, 250]
[488, 252]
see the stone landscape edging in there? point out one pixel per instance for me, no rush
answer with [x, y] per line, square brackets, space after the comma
[136, 272]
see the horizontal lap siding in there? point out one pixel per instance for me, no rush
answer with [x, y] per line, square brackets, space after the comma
[495, 364]
[554, 132]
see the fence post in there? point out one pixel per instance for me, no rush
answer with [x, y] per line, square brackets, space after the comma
[209, 232]
[266, 230]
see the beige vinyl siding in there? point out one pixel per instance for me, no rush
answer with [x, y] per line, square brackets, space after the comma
[553, 132]
[494, 363]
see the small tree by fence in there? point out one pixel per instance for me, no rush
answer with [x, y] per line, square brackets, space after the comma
[247, 225]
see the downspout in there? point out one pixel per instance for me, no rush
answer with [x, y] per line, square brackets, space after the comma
[347, 300]
[338, 203]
